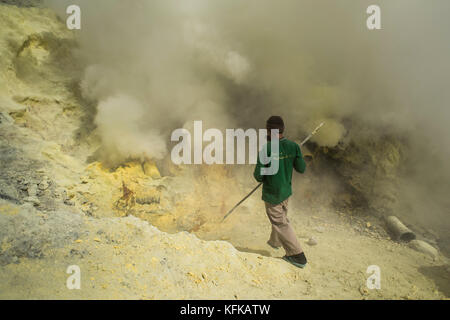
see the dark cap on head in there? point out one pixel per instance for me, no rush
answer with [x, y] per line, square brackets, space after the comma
[275, 122]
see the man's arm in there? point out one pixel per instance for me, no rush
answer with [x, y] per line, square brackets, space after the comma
[299, 162]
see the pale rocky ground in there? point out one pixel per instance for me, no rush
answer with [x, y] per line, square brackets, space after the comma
[161, 239]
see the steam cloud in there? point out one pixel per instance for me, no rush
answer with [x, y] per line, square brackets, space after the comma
[154, 66]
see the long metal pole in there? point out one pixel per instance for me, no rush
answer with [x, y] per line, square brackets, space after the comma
[259, 185]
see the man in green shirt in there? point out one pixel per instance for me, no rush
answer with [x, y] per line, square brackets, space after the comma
[277, 188]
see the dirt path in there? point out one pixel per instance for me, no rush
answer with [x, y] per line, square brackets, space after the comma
[345, 249]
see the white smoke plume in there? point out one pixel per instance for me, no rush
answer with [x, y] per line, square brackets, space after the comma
[153, 66]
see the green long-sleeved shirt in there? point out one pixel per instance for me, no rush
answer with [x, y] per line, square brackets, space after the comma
[278, 187]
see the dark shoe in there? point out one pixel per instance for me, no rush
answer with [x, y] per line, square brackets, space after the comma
[273, 246]
[299, 260]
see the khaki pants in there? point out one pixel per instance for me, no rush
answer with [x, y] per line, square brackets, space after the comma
[282, 232]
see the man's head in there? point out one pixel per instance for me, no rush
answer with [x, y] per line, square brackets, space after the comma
[275, 122]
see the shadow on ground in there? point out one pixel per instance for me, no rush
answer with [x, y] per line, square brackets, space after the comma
[440, 276]
[249, 250]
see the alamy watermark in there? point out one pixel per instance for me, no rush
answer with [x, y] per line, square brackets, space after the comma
[373, 22]
[73, 21]
[189, 149]
[374, 280]
[74, 280]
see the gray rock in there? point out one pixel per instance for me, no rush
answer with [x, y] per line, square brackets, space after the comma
[27, 237]
[34, 200]
[8, 192]
[312, 242]
[424, 247]
[43, 185]
[69, 202]
[32, 190]
[319, 229]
